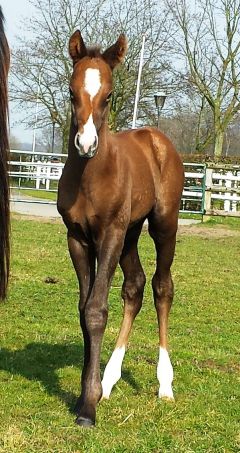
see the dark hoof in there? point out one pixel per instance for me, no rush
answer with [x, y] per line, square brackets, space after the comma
[85, 422]
[77, 407]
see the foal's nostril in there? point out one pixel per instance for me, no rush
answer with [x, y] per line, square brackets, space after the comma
[95, 144]
[77, 141]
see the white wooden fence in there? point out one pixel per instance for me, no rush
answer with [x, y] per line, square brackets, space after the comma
[212, 189]
[222, 190]
[194, 188]
[209, 189]
[36, 171]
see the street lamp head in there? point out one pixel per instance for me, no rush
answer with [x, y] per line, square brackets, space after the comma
[160, 98]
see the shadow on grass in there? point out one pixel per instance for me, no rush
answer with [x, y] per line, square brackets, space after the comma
[40, 361]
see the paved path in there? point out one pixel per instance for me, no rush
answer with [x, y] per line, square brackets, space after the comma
[34, 208]
[37, 207]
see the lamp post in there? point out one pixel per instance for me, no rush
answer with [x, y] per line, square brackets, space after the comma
[138, 83]
[37, 108]
[160, 98]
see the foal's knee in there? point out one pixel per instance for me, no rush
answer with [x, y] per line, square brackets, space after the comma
[133, 288]
[95, 318]
[162, 288]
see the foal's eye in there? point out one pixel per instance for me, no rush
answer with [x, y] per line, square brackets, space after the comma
[109, 97]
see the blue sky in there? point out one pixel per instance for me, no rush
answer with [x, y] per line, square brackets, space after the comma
[14, 11]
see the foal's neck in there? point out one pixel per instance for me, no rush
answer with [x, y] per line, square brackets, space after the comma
[103, 138]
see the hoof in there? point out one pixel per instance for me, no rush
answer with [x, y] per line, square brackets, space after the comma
[77, 407]
[85, 422]
[166, 393]
[104, 397]
[166, 396]
[169, 399]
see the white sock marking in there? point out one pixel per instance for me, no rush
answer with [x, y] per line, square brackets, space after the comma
[92, 82]
[112, 371]
[165, 374]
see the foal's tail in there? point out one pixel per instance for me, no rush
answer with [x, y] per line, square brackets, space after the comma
[4, 146]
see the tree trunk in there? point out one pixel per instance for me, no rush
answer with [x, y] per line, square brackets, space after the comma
[65, 135]
[218, 144]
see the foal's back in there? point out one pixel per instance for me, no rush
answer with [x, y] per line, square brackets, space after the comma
[153, 170]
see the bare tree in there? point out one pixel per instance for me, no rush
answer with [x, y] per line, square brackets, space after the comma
[208, 40]
[41, 66]
[14, 142]
[50, 140]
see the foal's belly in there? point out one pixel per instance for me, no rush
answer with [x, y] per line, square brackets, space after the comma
[142, 203]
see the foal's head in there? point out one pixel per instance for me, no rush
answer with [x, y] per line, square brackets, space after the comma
[91, 89]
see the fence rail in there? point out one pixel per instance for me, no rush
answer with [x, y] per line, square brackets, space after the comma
[209, 188]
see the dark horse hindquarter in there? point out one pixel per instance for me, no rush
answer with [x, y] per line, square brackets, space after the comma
[4, 147]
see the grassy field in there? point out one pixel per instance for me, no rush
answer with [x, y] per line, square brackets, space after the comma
[41, 351]
[44, 195]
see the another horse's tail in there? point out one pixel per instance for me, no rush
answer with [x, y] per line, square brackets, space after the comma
[4, 146]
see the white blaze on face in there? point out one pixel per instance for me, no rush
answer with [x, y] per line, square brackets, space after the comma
[165, 374]
[89, 138]
[92, 82]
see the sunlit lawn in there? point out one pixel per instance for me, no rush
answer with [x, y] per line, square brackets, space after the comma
[41, 352]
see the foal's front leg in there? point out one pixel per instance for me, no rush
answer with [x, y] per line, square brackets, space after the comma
[95, 319]
[83, 259]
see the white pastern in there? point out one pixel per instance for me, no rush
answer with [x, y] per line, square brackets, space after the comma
[89, 134]
[165, 374]
[92, 82]
[112, 371]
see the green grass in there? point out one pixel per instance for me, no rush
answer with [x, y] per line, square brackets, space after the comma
[51, 196]
[185, 215]
[230, 222]
[41, 353]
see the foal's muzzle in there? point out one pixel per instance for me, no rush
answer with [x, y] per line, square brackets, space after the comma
[85, 150]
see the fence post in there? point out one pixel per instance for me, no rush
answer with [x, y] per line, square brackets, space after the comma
[208, 192]
[38, 174]
[234, 203]
[48, 174]
[228, 185]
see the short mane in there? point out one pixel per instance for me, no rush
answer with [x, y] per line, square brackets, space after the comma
[94, 51]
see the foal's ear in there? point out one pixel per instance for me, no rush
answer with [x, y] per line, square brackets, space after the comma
[115, 54]
[77, 48]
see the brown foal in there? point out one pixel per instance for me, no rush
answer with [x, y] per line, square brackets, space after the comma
[110, 185]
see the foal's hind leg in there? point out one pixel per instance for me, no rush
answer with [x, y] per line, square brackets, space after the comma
[132, 294]
[163, 295]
